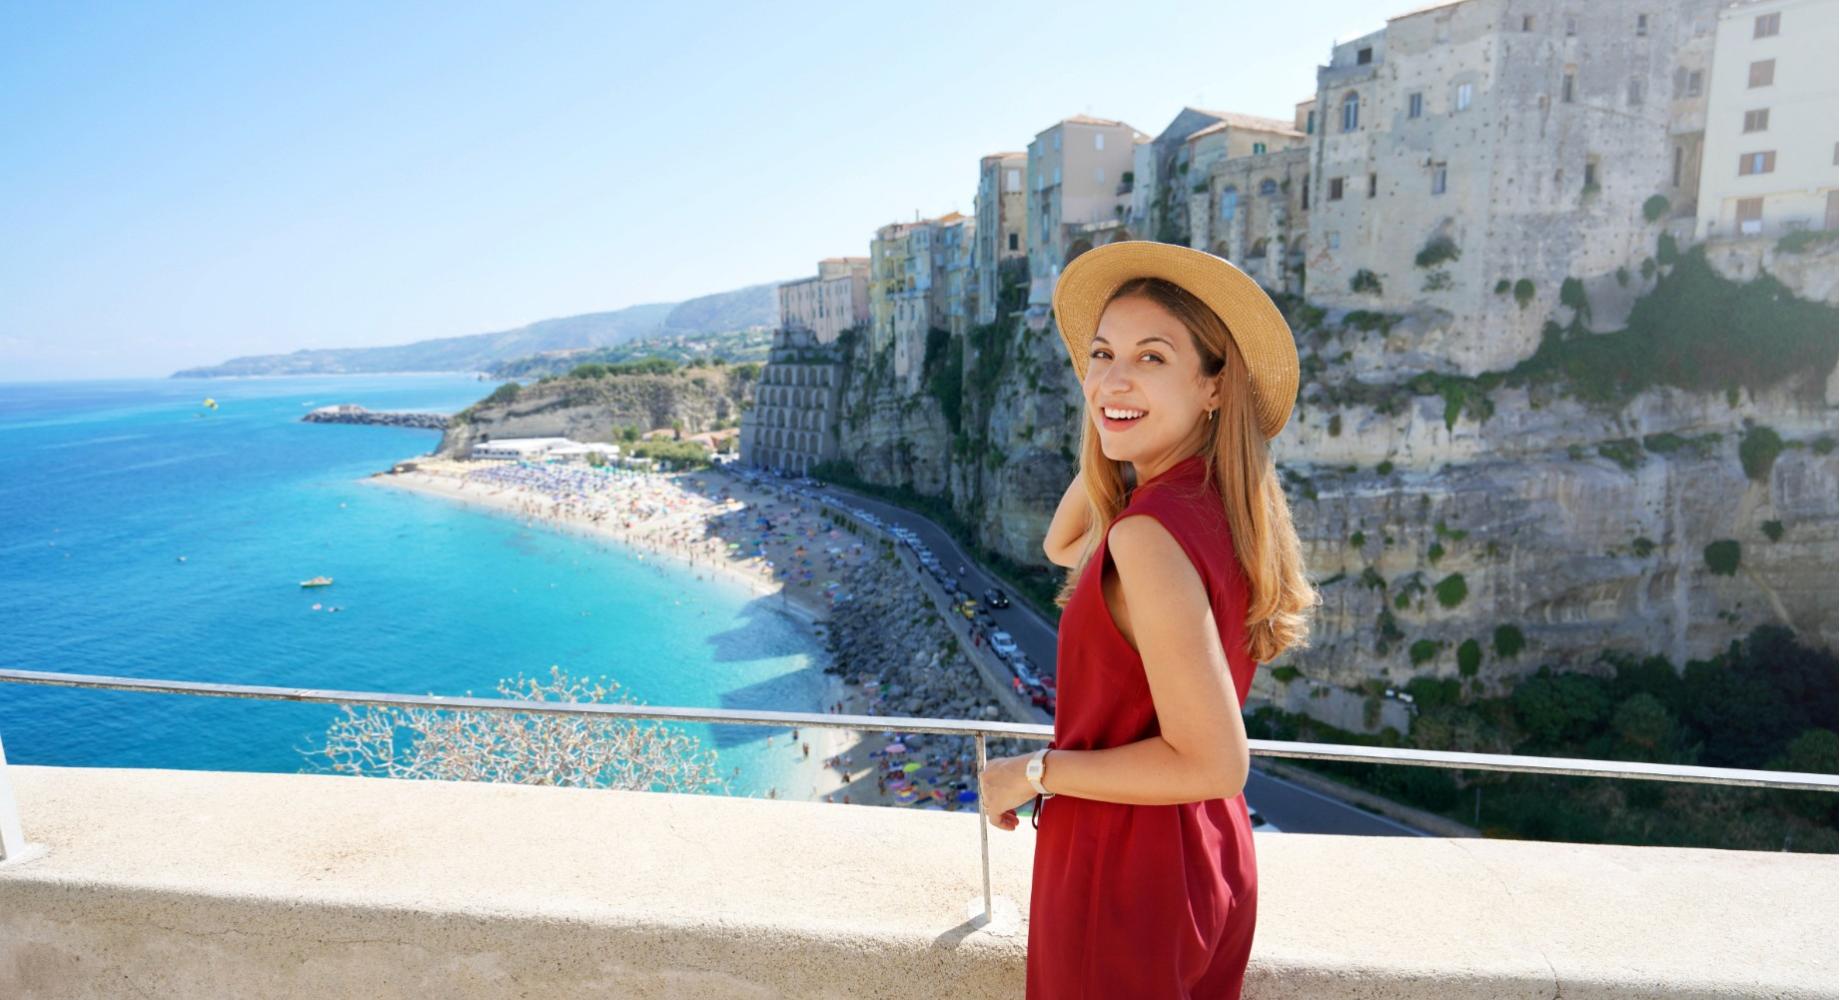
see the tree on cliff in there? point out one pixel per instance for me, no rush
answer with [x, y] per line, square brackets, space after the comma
[582, 751]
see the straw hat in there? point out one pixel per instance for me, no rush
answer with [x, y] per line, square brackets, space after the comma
[1264, 338]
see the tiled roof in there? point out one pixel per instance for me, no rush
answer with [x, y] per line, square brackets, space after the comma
[1237, 120]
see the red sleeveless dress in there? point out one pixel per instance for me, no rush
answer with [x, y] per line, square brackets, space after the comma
[1139, 900]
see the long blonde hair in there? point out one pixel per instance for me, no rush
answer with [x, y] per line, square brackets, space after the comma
[1279, 595]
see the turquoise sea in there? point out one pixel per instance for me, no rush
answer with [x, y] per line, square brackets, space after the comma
[144, 534]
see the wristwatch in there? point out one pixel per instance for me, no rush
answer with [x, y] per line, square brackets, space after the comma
[1034, 769]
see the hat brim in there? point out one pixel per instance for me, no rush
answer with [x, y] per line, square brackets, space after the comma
[1253, 319]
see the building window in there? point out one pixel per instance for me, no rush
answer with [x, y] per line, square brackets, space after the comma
[1757, 121]
[1373, 184]
[1057, 175]
[1757, 163]
[1335, 241]
[1641, 25]
[1679, 155]
[1351, 111]
[1571, 26]
[1364, 57]
[1565, 88]
[1229, 202]
[1268, 188]
[1258, 148]
[1306, 181]
[1635, 90]
[1415, 105]
[1527, 22]
[1694, 80]
[1763, 72]
[1099, 175]
[1440, 178]
[1590, 175]
[1309, 122]
[1464, 90]
[1012, 241]
[1335, 189]
[1012, 180]
[1767, 25]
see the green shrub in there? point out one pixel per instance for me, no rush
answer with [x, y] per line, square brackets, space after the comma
[1773, 530]
[1385, 467]
[1437, 250]
[1285, 674]
[1623, 451]
[1335, 425]
[1572, 296]
[1758, 451]
[1642, 546]
[1502, 286]
[1365, 282]
[1509, 641]
[1434, 553]
[1371, 578]
[1823, 445]
[503, 394]
[1722, 557]
[1805, 240]
[1667, 251]
[1423, 650]
[1365, 320]
[1357, 539]
[1648, 268]
[1695, 330]
[1655, 207]
[1451, 590]
[1469, 657]
[1622, 277]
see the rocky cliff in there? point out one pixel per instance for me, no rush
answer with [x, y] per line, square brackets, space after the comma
[1458, 526]
[596, 408]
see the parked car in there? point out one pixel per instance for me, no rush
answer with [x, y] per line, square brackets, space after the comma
[996, 598]
[1019, 665]
[1003, 644]
[1043, 699]
[1259, 823]
[968, 608]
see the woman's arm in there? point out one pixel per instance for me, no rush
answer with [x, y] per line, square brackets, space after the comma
[1200, 751]
[1068, 529]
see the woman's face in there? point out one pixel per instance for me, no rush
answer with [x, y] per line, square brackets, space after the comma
[1142, 360]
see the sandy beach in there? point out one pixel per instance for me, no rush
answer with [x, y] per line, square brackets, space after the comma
[772, 541]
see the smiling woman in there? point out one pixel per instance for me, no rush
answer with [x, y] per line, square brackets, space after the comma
[1145, 877]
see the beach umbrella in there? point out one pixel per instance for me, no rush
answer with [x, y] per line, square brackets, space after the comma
[967, 796]
[895, 748]
[912, 766]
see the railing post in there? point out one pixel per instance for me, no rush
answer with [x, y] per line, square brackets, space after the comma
[12, 835]
[983, 829]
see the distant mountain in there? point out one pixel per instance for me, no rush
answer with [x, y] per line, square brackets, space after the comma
[686, 349]
[756, 306]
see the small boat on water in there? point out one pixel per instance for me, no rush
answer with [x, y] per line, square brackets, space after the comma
[318, 581]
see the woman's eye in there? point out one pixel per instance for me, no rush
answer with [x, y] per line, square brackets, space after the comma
[1096, 352]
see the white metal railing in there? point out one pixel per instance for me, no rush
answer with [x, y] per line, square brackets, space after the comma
[12, 839]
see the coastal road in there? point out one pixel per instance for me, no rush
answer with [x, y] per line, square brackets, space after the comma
[1290, 807]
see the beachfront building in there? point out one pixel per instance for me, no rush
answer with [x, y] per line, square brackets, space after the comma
[958, 243]
[1472, 146]
[1171, 170]
[907, 291]
[792, 425]
[519, 449]
[830, 302]
[1079, 191]
[1771, 142]
[1002, 226]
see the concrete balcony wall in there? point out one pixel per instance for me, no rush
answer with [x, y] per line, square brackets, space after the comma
[155, 883]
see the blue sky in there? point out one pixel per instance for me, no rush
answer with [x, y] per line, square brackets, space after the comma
[181, 184]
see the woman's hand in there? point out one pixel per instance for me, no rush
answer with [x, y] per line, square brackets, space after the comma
[1002, 787]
